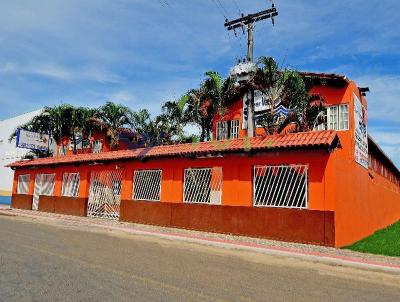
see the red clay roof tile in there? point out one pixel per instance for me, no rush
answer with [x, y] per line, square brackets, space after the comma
[285, 141]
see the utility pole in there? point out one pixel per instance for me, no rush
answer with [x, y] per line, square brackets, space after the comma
[248, 21]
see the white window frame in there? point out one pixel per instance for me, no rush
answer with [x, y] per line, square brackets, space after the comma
[337, 117]
[19, 186]
[234, 131]
[343, 117]
[63, 193]
[138, 173]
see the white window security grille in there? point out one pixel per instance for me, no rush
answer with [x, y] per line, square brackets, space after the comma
[281, 186]
[234, 131]
[97, 146]
[222, 130]
[147, 185]
[23, 184]
[203, 185]
[105, 194]
[70, 185]
[44, 185]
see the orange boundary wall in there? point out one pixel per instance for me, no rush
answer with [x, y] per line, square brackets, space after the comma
[306, 226]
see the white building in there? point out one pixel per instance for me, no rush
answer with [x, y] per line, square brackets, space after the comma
[9, 152]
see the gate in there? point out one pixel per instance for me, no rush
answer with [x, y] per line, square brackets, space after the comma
[105, 194]
[44, 185]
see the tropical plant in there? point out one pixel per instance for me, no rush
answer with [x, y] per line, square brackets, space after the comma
[210, 99]
[112, 117]
[285, 87]
[62, 123]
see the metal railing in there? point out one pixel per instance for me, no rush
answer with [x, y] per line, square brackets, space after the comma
[283, 186]
[147, 185]
[105, 194]
[23, 184]
[70, 185]
[44, 185]
[203, 185]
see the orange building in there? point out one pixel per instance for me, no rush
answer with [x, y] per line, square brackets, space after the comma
[332, 186]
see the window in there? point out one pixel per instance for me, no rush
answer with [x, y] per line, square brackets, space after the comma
[147, 185]
[70, 185]
[343, 117]
[335, 118]
[280, 186]
[97, 146]
[234, 133]
[222, 130]
[62, 150]
[332, 117]
[23, 184]
[202, 185]
[227, 129]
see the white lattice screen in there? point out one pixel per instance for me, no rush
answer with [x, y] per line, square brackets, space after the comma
[23, 184]
[281, 186]
[70, 185]
[147, 185]
[105, 194]
[44, 185]
[203, 185]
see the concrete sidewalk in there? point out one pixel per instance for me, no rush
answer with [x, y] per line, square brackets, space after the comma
[313, 253]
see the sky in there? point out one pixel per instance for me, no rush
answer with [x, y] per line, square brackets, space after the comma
[142, 53]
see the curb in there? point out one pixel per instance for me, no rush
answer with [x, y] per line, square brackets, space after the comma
[320, 257]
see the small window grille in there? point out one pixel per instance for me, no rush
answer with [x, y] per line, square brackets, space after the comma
[23, 184]
[203, 185]
[147, 185]
[70, 185]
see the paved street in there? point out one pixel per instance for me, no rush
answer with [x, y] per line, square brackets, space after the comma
[44, 262]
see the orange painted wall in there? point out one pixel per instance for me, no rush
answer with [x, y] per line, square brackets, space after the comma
[362, 204]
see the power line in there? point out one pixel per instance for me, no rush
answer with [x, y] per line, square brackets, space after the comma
[237, 6]
[220, 9]
[223, 7]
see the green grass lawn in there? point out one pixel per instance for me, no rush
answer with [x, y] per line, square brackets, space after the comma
[382, 242]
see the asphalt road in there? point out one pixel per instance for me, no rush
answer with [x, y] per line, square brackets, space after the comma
[44, 262]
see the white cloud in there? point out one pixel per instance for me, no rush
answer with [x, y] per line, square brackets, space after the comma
[122, 97]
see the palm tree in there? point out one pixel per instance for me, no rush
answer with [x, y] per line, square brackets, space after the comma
[202, 104]
[285, 87]
[112, 117]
